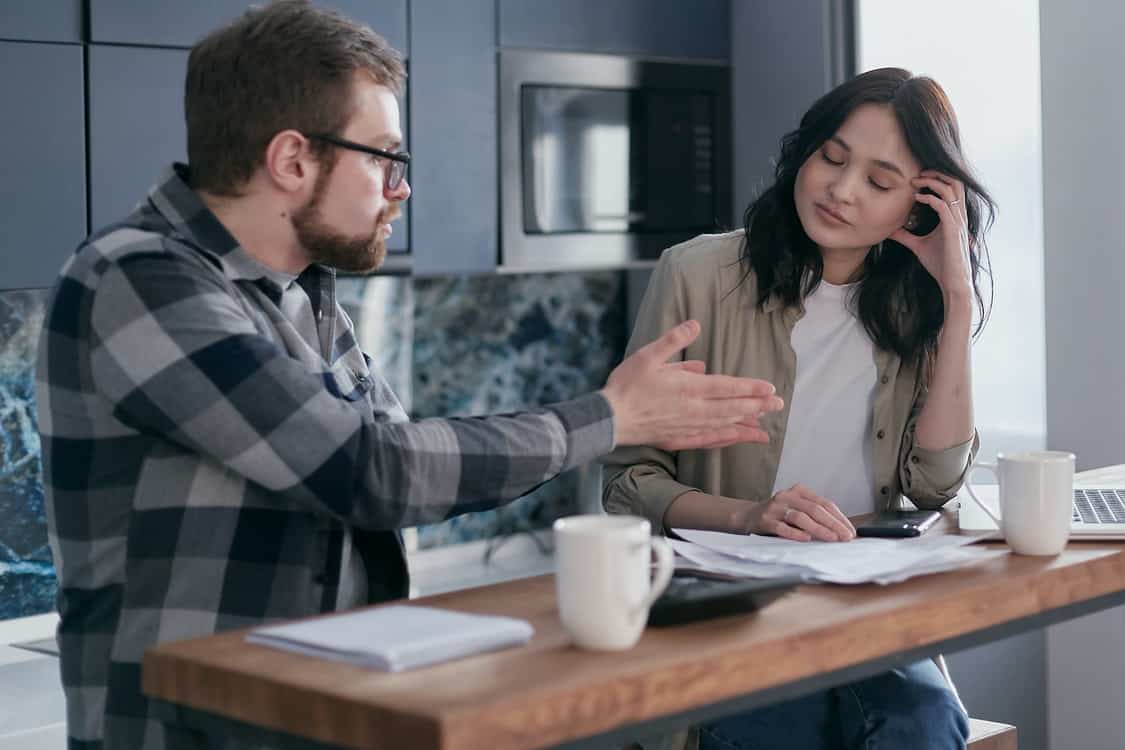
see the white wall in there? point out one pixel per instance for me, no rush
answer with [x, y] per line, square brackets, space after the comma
[1083, 177]
[986, 57]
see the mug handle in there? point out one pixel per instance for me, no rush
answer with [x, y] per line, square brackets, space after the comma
[665, 566]
[987, 466]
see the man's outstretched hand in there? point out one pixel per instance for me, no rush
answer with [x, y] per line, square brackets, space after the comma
[676, 406]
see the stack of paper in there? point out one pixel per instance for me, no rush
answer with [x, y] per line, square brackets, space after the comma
[396, 638]
[858, 561]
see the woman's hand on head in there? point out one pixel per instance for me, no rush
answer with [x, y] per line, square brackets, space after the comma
[944, 252]
[800, 514]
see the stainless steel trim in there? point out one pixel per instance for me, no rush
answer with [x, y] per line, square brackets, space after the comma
[523, 252]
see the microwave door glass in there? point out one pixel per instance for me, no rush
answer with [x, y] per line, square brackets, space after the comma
[576, 151]
[606, 160]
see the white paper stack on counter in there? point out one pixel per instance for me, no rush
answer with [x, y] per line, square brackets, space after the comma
[396, 638]
[862, 560]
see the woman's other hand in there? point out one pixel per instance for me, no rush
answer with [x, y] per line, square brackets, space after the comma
[944, 252]
[800, 514]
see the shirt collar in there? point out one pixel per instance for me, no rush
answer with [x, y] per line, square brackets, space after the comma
[175, 200]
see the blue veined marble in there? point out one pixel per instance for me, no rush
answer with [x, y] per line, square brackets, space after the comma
[489, 344]
[382, 310]
[479, 345]
[27, 579]
[451, 346]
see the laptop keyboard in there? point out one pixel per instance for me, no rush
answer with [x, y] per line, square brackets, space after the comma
[1099, 506]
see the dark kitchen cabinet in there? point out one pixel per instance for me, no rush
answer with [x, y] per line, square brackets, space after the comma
[453, 136]
[174, 23]
[41, 20]
[644, 28]
[43, 150]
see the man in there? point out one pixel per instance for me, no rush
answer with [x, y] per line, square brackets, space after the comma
[217, 451]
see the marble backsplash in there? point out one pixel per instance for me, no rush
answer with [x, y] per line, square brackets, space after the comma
[488, 344]
[448, 346]
[27, 580]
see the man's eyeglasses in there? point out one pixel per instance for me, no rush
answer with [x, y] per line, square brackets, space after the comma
[398, 159]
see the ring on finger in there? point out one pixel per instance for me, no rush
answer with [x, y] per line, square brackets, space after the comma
[954, 202]
[785, 516]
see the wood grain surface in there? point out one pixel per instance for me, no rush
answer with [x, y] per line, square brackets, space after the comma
[550, 691]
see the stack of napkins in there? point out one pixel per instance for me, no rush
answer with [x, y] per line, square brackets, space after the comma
[397, 637]
[858, 561]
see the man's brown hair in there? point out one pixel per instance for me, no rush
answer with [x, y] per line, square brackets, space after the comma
[285, 65]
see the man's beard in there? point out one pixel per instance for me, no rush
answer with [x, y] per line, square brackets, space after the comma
[361, 254]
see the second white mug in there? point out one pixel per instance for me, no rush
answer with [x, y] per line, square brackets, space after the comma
[603, 579]
[1036, 499]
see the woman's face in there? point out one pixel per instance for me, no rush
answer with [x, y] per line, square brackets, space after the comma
[854, 191]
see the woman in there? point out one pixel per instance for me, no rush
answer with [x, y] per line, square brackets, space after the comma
[865, 330]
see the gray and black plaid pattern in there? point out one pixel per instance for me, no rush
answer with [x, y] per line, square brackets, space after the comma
[202, 461]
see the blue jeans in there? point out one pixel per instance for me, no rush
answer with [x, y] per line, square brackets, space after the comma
[911, 708]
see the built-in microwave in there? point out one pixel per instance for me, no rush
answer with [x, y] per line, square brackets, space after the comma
[605, 160]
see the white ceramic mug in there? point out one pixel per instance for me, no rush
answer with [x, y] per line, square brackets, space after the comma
[1036, 499]
[603, 580]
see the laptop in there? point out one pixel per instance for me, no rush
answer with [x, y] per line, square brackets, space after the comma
[1099, 512]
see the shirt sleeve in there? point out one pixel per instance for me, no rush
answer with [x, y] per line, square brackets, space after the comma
[179, 357]
[931, 478]
[641, 480]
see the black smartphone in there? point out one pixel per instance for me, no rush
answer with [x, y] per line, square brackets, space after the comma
[898, 523]
[922, 219]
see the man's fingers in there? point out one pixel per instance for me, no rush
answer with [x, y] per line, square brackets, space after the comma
[714, 438]
[690, 365]
[726, 387]
[702, 411]
[674, 340]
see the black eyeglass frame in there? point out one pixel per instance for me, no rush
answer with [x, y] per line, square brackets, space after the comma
[395, 174]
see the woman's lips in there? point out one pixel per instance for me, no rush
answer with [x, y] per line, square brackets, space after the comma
[831, 216]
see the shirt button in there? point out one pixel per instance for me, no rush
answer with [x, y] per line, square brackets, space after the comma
[884, 490]
[914, 459]
[880, 434]
[884, 380]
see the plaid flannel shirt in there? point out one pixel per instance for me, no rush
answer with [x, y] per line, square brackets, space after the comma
[202, 461]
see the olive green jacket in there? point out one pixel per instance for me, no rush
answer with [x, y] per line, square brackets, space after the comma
[703, 279]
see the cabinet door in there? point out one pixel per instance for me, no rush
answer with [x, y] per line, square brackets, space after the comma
[174, 23]
[770, 96]
[43, 150]
[645, 28]
[136, 124]
[453, 136]
[41, 20]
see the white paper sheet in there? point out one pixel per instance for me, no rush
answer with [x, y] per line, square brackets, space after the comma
[858, 561]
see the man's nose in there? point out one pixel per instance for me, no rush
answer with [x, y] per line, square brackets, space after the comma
[400, 192]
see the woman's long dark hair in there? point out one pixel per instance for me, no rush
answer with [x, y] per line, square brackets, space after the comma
[898, 302]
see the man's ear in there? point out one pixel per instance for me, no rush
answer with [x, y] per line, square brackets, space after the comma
[287, 160]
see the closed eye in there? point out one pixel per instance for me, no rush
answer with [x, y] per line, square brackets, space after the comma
[877, 186]
[824, 155]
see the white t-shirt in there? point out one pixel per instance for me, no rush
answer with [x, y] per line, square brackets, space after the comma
[828, 442]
